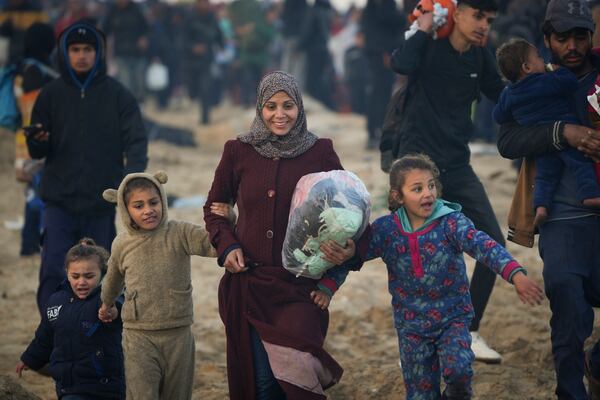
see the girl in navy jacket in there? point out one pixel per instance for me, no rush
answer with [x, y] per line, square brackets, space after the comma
[85, 355]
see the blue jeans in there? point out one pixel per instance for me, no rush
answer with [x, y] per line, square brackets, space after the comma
[570, 250]
[266, 386]
[62, 229]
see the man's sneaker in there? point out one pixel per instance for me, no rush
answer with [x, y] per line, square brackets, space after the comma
[593, 383]
[482, 351]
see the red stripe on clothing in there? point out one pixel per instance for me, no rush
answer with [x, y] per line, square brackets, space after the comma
[509, 268]
[329, 284]
[413, 242]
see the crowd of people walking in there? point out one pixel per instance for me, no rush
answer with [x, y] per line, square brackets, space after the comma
[78, 71]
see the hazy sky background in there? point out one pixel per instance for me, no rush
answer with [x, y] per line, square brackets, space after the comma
[343, 5]
[340, 5]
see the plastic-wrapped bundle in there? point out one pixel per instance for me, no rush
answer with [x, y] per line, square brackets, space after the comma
[333, 205]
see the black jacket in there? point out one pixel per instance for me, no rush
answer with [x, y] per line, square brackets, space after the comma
[444, 84]
[85, 355]
[95, 125]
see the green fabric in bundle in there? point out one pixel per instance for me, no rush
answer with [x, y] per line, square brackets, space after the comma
[339, 225]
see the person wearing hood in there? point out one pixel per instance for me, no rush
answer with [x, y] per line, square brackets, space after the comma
[151, 258]
[90, 132]
[84, 356]
[422, 242]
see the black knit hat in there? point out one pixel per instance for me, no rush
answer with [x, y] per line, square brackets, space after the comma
[82, 34]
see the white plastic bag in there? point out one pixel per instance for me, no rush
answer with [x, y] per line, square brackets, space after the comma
[157, 76]
[333, 205]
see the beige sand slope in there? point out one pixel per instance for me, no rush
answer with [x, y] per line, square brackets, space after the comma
[361, 336]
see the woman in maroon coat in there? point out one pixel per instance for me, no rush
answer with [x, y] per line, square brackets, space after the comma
[275, 331]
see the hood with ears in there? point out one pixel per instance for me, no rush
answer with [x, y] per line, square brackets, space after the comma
[117, 196]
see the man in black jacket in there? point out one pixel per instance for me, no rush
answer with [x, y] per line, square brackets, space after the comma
[445, 76]
[569, 240]
[91, 134]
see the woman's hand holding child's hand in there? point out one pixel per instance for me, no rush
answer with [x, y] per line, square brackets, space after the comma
[107, 314]
[20, 368]
[528, 291]
[320, 298]
[336, 254]
[234, 262]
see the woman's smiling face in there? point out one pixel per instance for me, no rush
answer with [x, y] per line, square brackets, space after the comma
[280, 113]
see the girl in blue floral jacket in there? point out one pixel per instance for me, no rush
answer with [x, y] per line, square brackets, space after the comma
[422, 243]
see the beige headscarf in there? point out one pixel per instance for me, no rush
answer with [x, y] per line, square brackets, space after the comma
[291, 145]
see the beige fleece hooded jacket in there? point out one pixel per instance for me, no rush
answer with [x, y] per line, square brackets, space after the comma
[154, 266]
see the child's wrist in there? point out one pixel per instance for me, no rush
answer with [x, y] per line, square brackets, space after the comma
[325, 290]
[517, 273]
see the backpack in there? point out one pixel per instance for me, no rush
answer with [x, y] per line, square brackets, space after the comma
[9, 113]
[392, 123]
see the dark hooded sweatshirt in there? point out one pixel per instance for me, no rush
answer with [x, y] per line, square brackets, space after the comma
[96, 133]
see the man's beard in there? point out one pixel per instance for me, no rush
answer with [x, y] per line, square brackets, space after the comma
[556, 59]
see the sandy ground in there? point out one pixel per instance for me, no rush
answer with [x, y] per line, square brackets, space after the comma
[361, 336]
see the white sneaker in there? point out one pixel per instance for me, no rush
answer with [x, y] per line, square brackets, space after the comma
[482, 351]
[400, 363]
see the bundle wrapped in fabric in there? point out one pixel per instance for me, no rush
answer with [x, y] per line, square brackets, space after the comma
[333, 205]
[443, 21]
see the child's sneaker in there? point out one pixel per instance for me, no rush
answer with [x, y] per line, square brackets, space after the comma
[482, 351]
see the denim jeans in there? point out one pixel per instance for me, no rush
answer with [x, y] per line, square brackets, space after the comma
[570, 250]
[266, 386]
